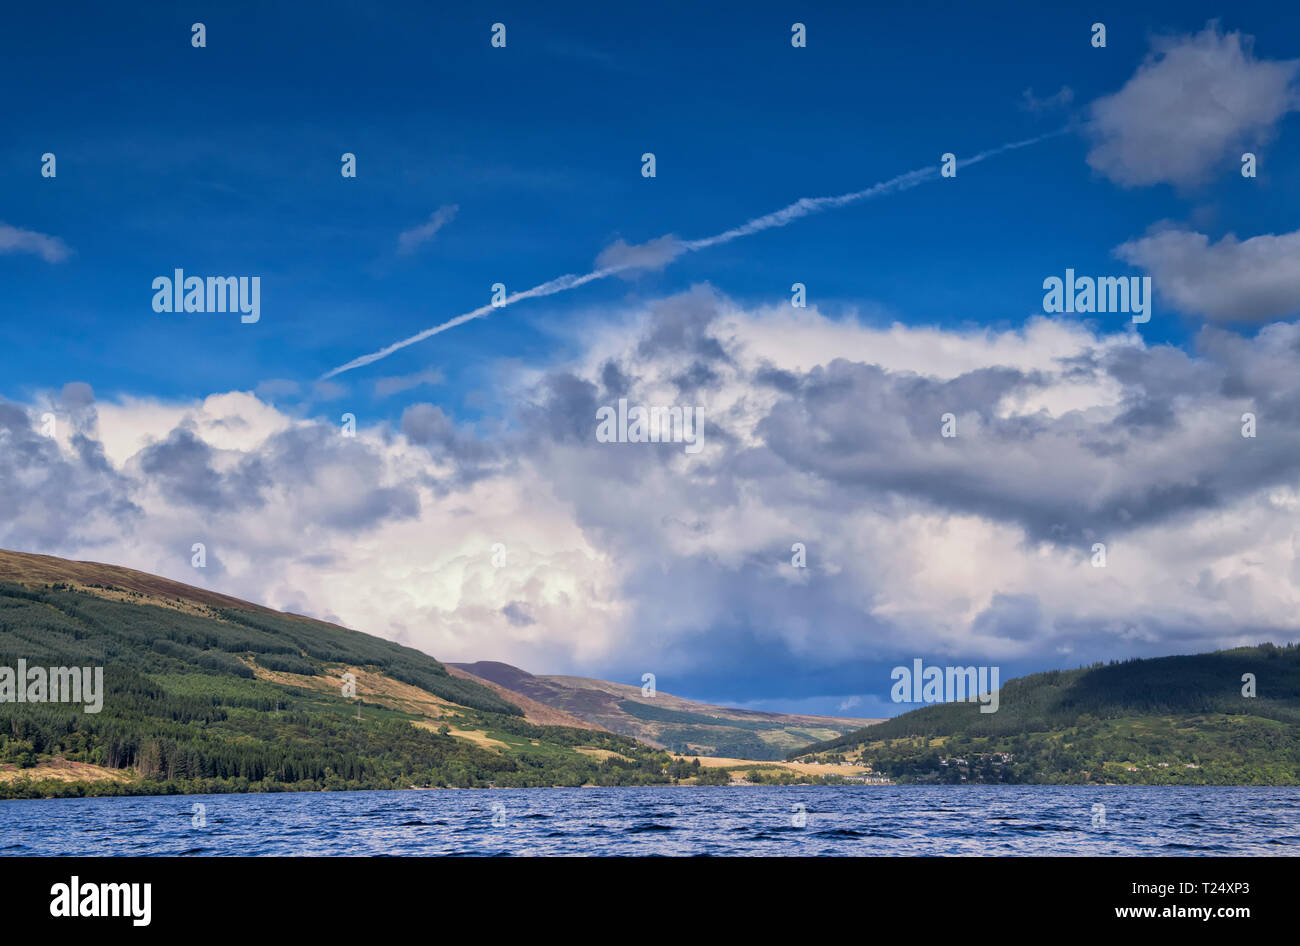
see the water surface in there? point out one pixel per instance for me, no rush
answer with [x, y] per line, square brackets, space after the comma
[722, 820]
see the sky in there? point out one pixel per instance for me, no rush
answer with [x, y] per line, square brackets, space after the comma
[476, 514]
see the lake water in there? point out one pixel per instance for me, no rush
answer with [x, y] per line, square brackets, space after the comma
[795, 820]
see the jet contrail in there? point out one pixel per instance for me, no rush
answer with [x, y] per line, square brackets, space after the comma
[786, 215]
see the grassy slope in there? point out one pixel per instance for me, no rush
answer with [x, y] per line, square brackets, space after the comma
[1107, 723]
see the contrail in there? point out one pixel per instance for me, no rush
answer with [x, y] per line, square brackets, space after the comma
[786, 215]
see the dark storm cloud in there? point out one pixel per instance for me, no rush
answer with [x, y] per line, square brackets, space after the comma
[472, 458]
[516, 612]
[1013, 617]
[1174, 445]
[680, 326]
[1171, 446]
[563, 409]
[313, 462]
[70, 498]
[52, 500]
[183, 467]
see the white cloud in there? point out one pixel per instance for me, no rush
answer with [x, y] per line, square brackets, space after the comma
[652, 255]
[1252, 280]
[49, 248]
[387, 387]
[1196, 100]
[822, 432]
[237, 421]
[408, 241]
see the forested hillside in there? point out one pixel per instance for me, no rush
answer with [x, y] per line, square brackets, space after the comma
[203, 699]
[1183, 720]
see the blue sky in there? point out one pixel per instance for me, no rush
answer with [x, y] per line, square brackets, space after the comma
[225, 161]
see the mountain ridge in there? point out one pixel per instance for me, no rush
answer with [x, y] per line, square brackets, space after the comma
[664, 720]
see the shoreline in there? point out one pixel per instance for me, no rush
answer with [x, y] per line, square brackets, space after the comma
[452, 788]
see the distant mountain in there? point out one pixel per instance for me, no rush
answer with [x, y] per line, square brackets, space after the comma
[1162, 720]
[667, 721]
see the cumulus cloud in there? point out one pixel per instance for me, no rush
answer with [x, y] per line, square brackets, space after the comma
[60, 490]
[828, 433]
[1196, 100]
[1233, 280]
[16, 240]
[536, 544]
[428, 426]
[408, 241]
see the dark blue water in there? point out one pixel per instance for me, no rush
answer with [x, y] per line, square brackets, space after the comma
[835, 820]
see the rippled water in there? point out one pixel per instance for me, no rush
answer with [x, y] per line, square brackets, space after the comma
[840, 820]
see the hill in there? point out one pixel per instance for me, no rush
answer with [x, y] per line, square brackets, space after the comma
[206, 693]
[679, 725]
[1164, 720]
